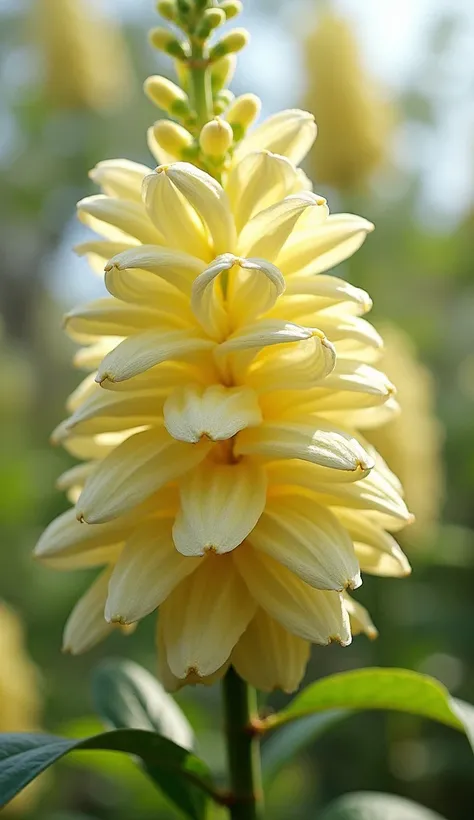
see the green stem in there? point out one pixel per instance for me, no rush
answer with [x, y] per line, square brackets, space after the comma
[201, 96]
[243, 748]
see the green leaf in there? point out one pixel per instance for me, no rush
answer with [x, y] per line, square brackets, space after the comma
[291, 739]
[24, 756]
[127, 696]
[396, 689]
[375, 806]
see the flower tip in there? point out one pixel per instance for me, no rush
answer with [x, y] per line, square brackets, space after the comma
[119, 620]
[346, 641]
[354, 583]
[101, 378]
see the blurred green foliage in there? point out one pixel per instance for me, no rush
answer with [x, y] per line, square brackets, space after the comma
[419, 276]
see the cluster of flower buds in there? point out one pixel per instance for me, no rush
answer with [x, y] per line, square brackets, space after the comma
[207, 120]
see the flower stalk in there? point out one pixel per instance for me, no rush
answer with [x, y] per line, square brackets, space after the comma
[243, 748]
[200, 83]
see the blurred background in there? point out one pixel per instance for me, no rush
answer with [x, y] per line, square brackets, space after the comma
[391, 86]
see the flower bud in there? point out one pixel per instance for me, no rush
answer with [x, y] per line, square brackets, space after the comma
[167, 9]
[222, 72]
[172, 138]
[231, 8]
[222, 100]
[232, 42]
[167, 95]
[216, 138]
[211, 19]
[165, 41]
[242, 113]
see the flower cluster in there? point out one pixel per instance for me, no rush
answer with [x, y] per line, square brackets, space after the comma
[223, 477]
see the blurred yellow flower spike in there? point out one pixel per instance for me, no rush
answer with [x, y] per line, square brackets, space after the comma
[223, 477]
[411, 442]
[84, 54]
[20, 702]
[353, 119]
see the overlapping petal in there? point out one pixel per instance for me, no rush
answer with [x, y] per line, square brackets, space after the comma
[224, 477]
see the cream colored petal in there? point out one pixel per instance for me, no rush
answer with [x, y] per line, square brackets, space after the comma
[372, 492]
[99, 252]
[89, 357]
[216, 412]
[97, 446]
[309, 540]
[328, 290]
[147, 571]
[346, 327]
[67, 536]
[141, 288]
[86, 388]
[209, 200]
[263, 333]
[365, 418]
[107, 411]
[355, 377]
[315, 441]
[173, 217]
[133, 471]
[86, 625]
[259, 180]
[315, 251]
[207, 298]
[120, 178]
[254, 287]
[269, 657]
[118, 219]
[220, 505]
[378, 551]
[164, 376]
[360, 618]
[175, 267]
[170, 681]
[99, 557]
[313, 614]
[303, 182]
[266, 233]
[139, 353]
[75, 475]
[111, 317]
[290, 133]
[298, 366]
[204, 617]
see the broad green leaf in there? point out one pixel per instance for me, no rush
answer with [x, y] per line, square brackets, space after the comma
[396, 689]
[375, 806]
[24, 756]
[285, 744]
[127, 696]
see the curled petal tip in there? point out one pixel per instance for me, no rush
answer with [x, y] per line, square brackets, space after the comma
[101, 379]
[119, 620]
[354, 583]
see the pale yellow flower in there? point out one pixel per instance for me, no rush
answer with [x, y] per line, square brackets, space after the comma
[353, 119]
[222, 479]
[411, 442]
[19, 693]
[84, 54]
